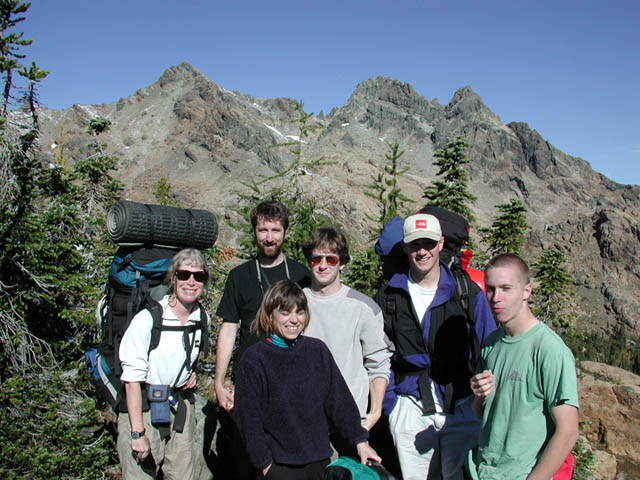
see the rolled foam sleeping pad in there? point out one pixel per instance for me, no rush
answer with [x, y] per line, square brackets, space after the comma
[133, 223]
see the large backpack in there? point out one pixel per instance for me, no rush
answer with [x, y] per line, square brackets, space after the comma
[455, 230]
[135, 283]
[456, 254]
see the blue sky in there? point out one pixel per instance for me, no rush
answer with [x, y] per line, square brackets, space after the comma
[568, 68]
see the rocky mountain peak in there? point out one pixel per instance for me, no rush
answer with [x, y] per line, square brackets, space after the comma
[466, 93]
[468, 105]
[383, 104]
[182, 72]
[383, 89]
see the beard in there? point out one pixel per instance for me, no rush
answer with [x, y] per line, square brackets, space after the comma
[270, 250]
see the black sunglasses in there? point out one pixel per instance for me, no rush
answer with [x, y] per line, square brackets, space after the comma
[184, 275]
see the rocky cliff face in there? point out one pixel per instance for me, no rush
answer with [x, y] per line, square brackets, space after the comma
[207, 140]
[609, 414]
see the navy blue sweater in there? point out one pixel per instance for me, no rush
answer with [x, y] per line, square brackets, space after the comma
[284, 399]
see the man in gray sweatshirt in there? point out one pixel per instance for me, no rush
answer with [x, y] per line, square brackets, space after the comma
[349, 322]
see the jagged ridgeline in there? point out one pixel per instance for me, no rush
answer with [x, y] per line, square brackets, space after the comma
[208, 140]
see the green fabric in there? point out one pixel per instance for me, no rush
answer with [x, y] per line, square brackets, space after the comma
[281, 342]
[358, 471]
[533, 373]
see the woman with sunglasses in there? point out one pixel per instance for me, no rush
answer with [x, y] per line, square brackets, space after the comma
[167, 372]
[289, 389]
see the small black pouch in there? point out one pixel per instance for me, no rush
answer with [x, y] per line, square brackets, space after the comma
[158, 397]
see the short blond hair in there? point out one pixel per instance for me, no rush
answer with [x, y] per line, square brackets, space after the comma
[505, 260]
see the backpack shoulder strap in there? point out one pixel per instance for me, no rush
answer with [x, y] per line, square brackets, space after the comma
[389, 307]
[462, 289]
[107, 322]
[204, 340]
[465, 294]
[156, 311]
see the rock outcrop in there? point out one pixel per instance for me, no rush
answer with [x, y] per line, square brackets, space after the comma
[610, 415]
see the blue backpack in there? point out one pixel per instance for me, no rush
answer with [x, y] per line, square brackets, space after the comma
[135, 283]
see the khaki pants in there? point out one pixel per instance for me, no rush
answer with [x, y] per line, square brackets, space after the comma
[177, 450]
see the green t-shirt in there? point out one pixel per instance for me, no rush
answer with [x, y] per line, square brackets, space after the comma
[533, 373]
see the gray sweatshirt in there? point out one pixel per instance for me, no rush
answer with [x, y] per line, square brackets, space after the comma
[351, 325]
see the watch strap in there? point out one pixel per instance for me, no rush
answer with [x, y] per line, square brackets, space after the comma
[137, 435]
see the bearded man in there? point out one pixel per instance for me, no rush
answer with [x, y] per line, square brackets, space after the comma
[243, 292]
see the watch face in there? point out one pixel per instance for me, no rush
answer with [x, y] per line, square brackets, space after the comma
[136, 435]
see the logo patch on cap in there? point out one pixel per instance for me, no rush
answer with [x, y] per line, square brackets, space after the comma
[421, 223]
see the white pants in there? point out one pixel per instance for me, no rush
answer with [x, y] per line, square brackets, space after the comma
[434, 445]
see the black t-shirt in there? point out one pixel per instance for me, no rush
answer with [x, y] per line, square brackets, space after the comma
[243, 294]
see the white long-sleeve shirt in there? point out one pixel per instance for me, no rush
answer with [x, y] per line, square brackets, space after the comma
[162, 365]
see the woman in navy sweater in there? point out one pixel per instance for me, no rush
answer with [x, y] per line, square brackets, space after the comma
[289, 389]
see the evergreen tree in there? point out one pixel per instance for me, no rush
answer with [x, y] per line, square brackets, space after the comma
[49, 252]
[611, 347]
[99, 189]
[33, 75]
[451, 190]
[54, 250]
[48, 431]
[384, 189]
[554, 289]
[10, 44]
[364, 272]
[96, 191]
[163, 194]
[506, 234]
[298, 165]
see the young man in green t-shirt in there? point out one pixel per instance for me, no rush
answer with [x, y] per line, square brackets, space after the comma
[526, 389]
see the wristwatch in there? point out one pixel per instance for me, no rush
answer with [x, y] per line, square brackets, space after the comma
[137, 435]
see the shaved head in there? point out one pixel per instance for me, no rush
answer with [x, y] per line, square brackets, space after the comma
[512, 261]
